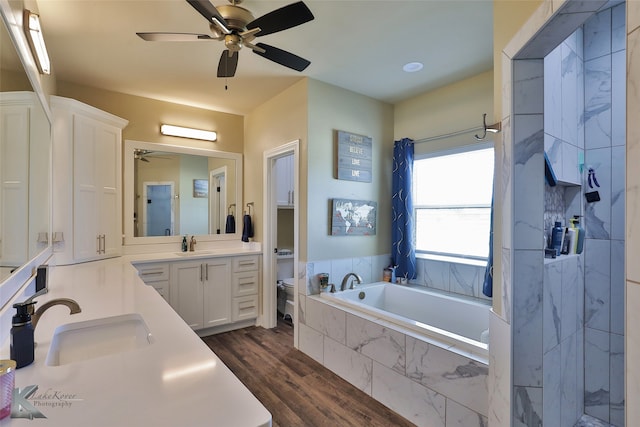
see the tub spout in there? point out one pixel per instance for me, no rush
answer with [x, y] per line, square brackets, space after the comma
[357, 278]
[73, 308]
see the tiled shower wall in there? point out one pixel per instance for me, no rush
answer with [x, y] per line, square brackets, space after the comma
[563, 280]
[605, 103]
[549, 321]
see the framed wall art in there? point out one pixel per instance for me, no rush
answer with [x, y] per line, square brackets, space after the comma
[353, 217]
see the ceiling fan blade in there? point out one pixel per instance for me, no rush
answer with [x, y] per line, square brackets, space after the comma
[210, 13]
[281, 19]
[282, 57]
[173, 37]
[228, 64]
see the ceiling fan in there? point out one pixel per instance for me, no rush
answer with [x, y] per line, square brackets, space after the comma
[237, 27]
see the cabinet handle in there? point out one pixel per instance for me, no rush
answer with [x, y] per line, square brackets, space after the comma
[98, 244]
[151, 273]
[104, 243]
[201, 272]
[206, 271]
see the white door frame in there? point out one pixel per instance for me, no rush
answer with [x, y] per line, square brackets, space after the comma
[269, 297]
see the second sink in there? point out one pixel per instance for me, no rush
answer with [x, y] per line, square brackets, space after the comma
[90, 339]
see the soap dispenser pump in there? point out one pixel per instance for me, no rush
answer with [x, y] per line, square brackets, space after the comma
[22, 343]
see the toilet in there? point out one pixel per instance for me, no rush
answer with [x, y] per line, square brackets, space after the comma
[290, 288]
[285, 283]
[286, 292]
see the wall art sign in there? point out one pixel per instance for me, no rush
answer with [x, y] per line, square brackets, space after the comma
[353, 217]
[200, 188]
[354, 157]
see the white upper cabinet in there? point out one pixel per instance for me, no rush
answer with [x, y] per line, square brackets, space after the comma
[87, 207]
[284, 181]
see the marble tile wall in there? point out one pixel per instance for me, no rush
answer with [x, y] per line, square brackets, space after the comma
[524, 401]
[605, 136]
[457, 278]
[424, 383]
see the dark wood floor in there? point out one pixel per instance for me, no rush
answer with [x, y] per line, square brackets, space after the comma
[296, 389]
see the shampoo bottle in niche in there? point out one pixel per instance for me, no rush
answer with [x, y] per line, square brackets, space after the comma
[579, 240]
[556, 237]
[22, 344]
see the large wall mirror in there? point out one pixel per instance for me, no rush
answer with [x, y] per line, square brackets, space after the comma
[25, 161]
[173, 191]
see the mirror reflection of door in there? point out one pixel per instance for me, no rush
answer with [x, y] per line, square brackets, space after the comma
[217, 200]
[158, 208]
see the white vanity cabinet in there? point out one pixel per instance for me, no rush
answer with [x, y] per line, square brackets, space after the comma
[200, 291]
[210, 294]
[87, 207]
[245, 287]
[155, 274]
[284, 180]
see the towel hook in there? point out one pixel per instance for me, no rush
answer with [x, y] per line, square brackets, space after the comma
[230, 210]
[494, 128]
[249, 205]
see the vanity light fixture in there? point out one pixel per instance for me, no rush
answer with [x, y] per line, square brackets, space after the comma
[205, 135]
[33, 31]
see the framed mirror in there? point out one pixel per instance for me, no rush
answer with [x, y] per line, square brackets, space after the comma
[171, 191]
[25, 161]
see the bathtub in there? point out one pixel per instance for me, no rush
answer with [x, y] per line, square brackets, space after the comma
[453, 323]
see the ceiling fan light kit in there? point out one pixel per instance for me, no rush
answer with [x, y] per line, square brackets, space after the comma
[237, 27]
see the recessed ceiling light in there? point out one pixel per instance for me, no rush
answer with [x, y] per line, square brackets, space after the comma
[412, 67]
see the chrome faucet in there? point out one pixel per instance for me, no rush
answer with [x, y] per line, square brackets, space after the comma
[192, 244]
[73, 308]
[357, 278]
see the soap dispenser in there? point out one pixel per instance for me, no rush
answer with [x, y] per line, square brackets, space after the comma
[184, 243]
[22, 343]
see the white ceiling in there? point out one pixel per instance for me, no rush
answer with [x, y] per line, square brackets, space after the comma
[359, 45]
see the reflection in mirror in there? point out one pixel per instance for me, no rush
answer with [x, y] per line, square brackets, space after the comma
[25, 140]
[178, 190]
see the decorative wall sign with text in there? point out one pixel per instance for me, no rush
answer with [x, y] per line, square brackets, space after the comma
[353, 217]
[354, 157]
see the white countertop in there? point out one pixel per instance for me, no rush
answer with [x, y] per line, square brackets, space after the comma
[175, 381]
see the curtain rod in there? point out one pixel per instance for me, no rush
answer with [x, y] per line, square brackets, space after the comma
[494, 128]
[447, 135]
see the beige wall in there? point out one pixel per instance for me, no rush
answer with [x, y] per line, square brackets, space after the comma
[281, 120]
[508, 17]
[145, 116]
[452, 108]
[330, 109]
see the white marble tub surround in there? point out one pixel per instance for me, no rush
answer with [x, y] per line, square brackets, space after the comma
[454, 321]
[176, 380]
[426, 380]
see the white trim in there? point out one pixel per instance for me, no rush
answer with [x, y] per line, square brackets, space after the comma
[269, 306]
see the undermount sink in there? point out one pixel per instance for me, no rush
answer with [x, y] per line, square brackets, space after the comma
[194, 253]
[90, 339]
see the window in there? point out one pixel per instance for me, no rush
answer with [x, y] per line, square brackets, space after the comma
[452, 202]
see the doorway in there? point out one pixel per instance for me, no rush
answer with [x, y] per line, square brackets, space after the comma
[217, 199]
[158, 214]
[279, 180]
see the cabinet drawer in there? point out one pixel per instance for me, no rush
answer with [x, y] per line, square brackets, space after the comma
[153, 272]
[162, 287]
[244, 308]
[246, 263]
[245, 283]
